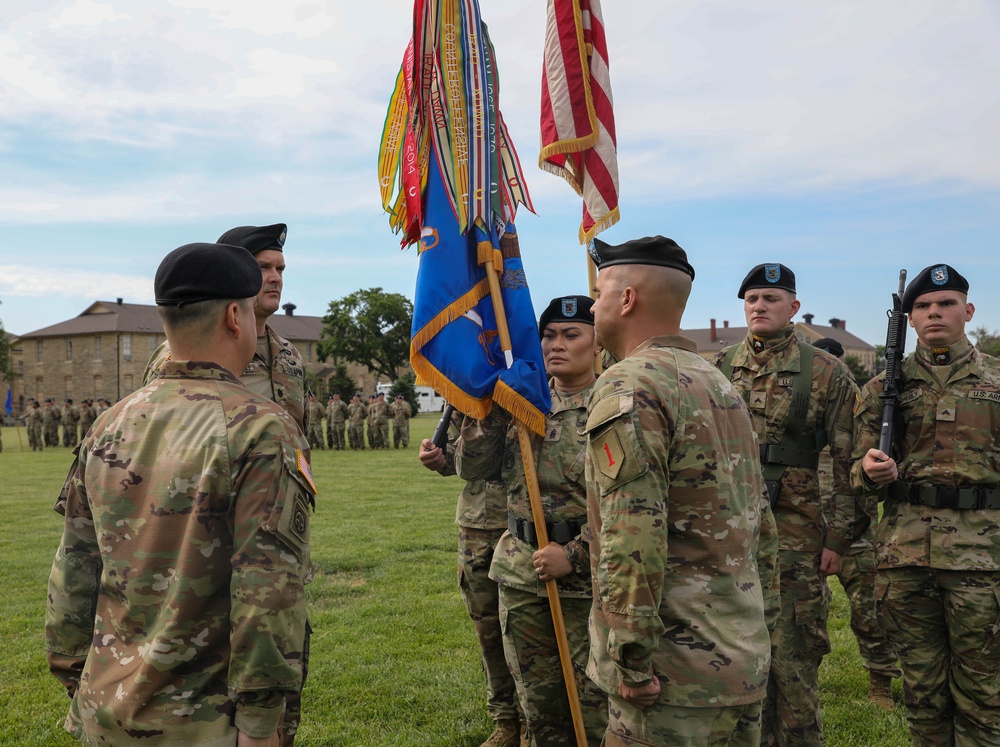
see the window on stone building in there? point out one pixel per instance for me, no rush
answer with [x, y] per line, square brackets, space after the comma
[69, 350]
[41, 350]
[98, 385]
[127, 347]
[67, 387]
[153, 343]
[309, 352]
[39, 388]
[127, 385]
[97, 347]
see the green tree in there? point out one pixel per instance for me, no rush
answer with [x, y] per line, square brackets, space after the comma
[370, 328]
[407, 386]
[986, 341]
[858, 371]
[340, 383]
[880, 363]
[6, 364]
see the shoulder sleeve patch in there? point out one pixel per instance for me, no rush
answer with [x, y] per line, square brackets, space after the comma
[304, 470]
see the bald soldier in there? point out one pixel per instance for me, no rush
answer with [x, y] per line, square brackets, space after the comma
[682, 541]
[937, 585]
[176, 601]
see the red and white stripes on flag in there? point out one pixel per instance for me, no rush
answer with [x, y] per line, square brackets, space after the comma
[578, 121]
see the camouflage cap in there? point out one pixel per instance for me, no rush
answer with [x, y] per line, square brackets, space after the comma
[930, 279]
[257, 238]
[651, 250]
[567, 309]
[203, 272]
[774, 275]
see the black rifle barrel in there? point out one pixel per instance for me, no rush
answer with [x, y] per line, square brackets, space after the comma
[895, 341]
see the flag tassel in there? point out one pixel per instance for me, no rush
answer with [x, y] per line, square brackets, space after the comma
[538, 517]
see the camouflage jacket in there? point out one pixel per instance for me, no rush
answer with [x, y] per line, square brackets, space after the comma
[70, 415]
[336, 411]
[51, 415]
[766, 382]
[482, 504]
[316, 414]
[34, 416]
[276, 373]
[401, 412]
[87, 417]
[176, 602]
[379, 413]
[357, 412]
[947, 435]
[490, 449]
[676, 504]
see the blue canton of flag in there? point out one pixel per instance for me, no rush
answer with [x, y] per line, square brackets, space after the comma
[455, 346]
[10, 401]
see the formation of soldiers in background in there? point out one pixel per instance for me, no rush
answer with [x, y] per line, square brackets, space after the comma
[43, 421]
[350, 425]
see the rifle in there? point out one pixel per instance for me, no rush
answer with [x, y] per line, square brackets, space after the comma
[895, 341]
[440, 437]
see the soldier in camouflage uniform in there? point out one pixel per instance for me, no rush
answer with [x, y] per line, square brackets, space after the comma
[87, 416]
[937, 588]
[857, 576]
[33, 422]
[380, 421]
[401, 414]
[481, 515]
[369, 421]
[356, 414]
[176, 604]
[316, 416]
[276, 371]
[336, 416]
[51, 418]
[683, 545]
[70, 420]
[801, 399]
[489, 449]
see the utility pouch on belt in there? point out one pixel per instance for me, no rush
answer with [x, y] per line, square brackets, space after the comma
[773, 489]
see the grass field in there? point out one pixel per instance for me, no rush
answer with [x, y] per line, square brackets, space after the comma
[394, 657]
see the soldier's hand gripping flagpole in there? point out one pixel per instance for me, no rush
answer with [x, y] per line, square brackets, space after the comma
[538, 517]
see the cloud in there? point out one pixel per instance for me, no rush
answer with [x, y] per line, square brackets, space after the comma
[22, 281]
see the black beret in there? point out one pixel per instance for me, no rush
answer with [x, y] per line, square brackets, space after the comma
[768, 276]
[203, 272]
[933, 278]
[652, 250]
[256, 238]
[567, 309]
[830, 345]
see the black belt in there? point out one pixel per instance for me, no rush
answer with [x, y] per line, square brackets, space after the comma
[559, 532]
[788, 457]
[937, 496]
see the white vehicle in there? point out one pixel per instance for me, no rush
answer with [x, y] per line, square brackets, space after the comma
[427, 398]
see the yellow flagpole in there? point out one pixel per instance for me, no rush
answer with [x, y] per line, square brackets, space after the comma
[538, 516]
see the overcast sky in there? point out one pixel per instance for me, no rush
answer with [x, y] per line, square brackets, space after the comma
[845, 139]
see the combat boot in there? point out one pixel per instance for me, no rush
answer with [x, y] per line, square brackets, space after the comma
[880, 690]
[505, 735]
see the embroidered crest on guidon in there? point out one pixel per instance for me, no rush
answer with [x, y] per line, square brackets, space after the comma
[772, 273]
[939, 275]
[569, 307]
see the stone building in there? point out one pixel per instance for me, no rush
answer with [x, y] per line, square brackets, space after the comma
[103, 352]
[712, 339]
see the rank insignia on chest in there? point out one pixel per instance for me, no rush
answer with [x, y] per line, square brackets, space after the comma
[941, 356]
[758, 344]
[758, 400]
[553, 433]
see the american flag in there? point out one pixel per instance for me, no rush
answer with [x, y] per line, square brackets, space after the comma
[577, 120]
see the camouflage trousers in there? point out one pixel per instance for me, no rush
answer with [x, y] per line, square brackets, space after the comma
[52, 435]
[356, 435]
[946, 628]
[316, 435]
[35, 437]
[482, 599]
[401, 434]
[335, 435]
[791, 714]
[661, 724]
[383, 434]
[69, 436]
[533, 657]
[857, 576]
